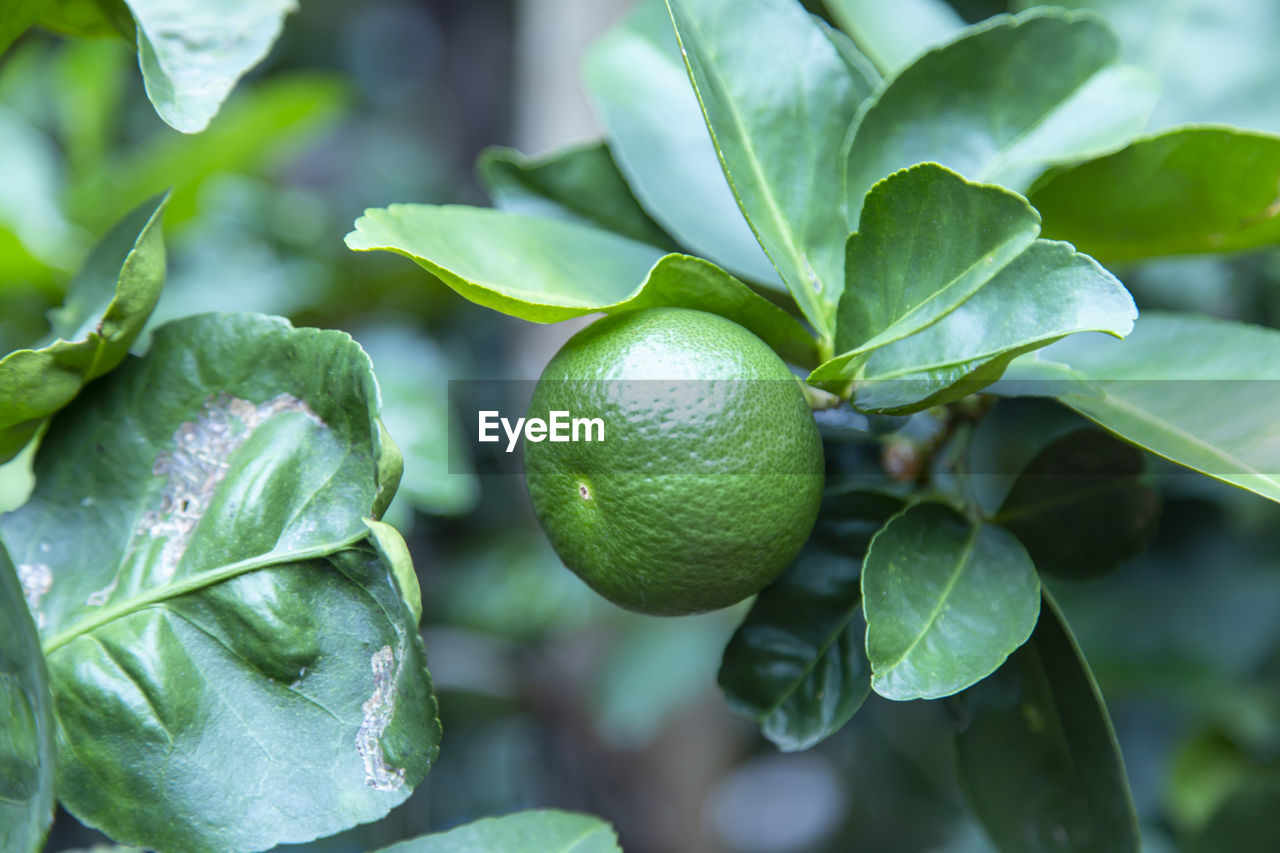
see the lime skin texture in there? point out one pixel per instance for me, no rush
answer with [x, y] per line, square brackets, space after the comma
[710, 474]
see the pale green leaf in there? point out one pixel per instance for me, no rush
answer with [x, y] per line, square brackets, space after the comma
[1189, 190]
[580, 184]
[1198, 391]
[233, 664]
[892, 34]
[27, 749]
[779, 133]
[657, 136]
[547, 270]
[1037, 754]
[1005, 100]
[946, 600]
[192, 53]
[1046, 293]
[542, 831]
[107, 305]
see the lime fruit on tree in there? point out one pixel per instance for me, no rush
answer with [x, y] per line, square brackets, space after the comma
[710, 472]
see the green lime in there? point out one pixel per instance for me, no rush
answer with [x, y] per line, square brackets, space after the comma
[704, 477]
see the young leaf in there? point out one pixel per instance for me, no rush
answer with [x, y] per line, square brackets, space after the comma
[233, 664]
[892, 34]
[1008, 98]
[192, 53]
[796, 664]
[550, 270]
[779, 134]
[1197, 391]
[578, 184]
[542, 831]
[107, 305]
[1079, 507]
[27, 753]
[946, 601]
[1187, 191]
[1038, 757]
[1046, 293]
[657, 136]
[929, 241]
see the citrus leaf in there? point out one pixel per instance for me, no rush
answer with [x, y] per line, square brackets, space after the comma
[1195, 390]
[580, 184]
[1037, 755]
[929, 241]
[1190, 190]
[107, 305]
[796, 664]
[656, 134]
[26, 710]
[542, 831]
[233, 665]
[892, 34]
[1046, 293]
[946, 601]
[1079, 508]
[193, 53]
[779, 135]
[550, 270]
[1006, 99]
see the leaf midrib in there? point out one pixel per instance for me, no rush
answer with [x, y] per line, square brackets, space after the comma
[192, 584]
[965, 554]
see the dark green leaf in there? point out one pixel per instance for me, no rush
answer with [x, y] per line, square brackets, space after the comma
[946, 601]
[1008, 98]
[1198, 391]
[929, 241]
[107, 305]
[88, 19]
[541, 831]
[1079, 507]
[779, 133]
[27, 753]
[233, 664]
[1046, 293]
[1187, 191]
[578, 184]
[892, 34]
[657, 136]
[192, 53]
[1038, 757]
[550, 270]
[796, 665]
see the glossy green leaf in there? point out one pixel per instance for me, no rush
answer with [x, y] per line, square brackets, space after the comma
[796, 664]
[107, 305]
[27, 750]
[892, 34]
[779, 134]
[542, 831]
[929, 241]
[546, 270]
[233, 664]
[1198, 391]
[1038, 757]
[579, 184]
[946, 601]
[193, 53]
[1046, 293]
[1008, 98]
[1215, 60]
[1187, 191]
[657, 136]
[1079, 508]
